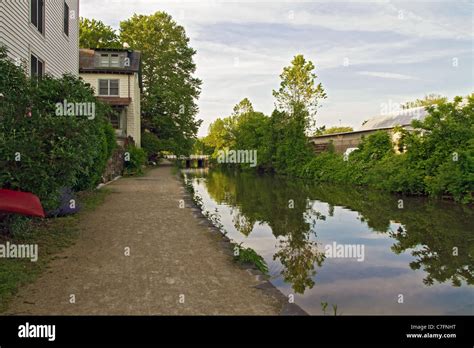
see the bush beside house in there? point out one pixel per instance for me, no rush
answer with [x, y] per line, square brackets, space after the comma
[135, 160]
[41, 152]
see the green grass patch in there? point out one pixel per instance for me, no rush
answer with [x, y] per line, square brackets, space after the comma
[52, 236]
[249, 256]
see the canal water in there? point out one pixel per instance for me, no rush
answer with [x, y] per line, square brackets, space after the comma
[348, 250]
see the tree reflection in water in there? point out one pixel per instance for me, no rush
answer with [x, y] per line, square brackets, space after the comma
[439, 235]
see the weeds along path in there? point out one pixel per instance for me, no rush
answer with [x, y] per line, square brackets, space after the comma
[175, 265]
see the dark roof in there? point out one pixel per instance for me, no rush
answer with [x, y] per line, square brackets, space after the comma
[87, 61]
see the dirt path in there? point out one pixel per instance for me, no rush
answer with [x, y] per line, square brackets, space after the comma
[171, 255]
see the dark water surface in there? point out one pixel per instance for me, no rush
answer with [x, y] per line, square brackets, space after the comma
[419, 252]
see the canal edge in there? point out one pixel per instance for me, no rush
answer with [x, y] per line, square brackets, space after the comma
[287, 309]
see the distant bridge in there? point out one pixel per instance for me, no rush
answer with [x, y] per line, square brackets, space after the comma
[193, 161]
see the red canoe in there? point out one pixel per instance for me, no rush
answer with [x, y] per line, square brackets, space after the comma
[22, 203]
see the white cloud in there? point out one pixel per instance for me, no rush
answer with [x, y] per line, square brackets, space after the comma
[372, 16]
[387, 75]
[371, 34]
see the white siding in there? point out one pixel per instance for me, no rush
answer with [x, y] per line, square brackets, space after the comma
[134, 112]
[128, 88]
[59, 52]
[93, 80]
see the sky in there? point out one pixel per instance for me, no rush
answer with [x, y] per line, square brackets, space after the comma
[369, 55]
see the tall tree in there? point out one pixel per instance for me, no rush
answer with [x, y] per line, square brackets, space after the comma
[297, 101]
[298, 89]
[170, 89]
[95, 34]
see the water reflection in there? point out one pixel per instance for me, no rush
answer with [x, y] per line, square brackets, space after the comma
[438, 236]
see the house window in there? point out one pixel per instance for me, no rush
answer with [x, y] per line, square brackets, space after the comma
[109, 87]
[66, 19]
[114, 60]
[37, 14]
[111, 60]
[37, 67]
[104, 59]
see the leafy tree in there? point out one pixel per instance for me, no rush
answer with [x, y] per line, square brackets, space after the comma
[252, 132]
[298, 87]
[152, 146]
[245, 129]
[95, 34]
[170, 89]
[243, 107]
[201, 148]
[297, 101]
[289, 145]
[220, 136]
[430, 99]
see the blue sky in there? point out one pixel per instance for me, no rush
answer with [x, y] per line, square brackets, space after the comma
[366, 53]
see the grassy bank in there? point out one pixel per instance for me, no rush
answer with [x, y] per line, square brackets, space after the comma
[51, 236]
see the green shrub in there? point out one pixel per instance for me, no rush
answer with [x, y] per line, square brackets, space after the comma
[289, 142]
[374, 147]
[455, 177]
[105, 143]
[151, 144]
[111, 139]
[443, 149]
[41, 152]
[135, 159]
[250, 256]
[395, 173]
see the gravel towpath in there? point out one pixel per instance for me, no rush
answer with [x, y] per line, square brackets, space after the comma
[176, 265]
